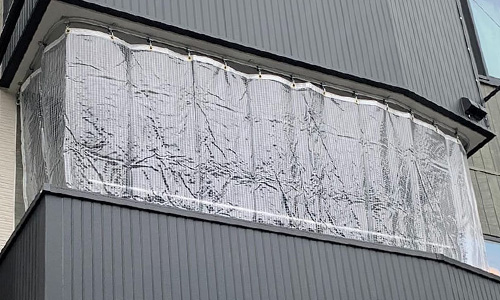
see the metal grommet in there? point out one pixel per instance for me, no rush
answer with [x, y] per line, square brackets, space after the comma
[435, 125]
[111, 33]
[150, 43]
[386, 103]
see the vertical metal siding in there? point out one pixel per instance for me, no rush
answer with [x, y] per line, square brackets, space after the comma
[23, 19]
[6, 8]
[485, 172]
[78, 249]
[417, 45]
[108, 251]
[22, 264]
[433, 50]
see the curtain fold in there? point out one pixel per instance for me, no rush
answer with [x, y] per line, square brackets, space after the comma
[153, 125]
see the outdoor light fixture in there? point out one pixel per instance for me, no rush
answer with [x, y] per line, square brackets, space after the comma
[472, 109]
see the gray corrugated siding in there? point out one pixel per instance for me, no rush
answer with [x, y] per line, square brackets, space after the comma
[105, 251]
[485, 171]
[418, 45]
[487, 190]
[115, 249]
[22, 264]
[6, 7]
[24, 17]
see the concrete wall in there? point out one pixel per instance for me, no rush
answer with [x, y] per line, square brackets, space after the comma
[485, 171]
[8, 119]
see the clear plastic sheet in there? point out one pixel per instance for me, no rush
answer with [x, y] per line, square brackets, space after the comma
[153, 125]
[34, 168]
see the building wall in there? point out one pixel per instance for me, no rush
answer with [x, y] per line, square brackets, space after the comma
[107, 248]
[19, 206]
[22, 263]
[485, 171]
[8, 116]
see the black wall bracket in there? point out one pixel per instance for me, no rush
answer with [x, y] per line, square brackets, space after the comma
[472, 109]
[492, 94]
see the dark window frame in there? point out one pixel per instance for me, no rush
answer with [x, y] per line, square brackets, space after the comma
[476, 46]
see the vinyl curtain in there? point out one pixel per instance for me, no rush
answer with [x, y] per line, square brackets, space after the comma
[149, 124]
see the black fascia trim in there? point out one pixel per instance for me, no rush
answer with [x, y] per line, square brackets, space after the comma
[51, 190]
[27, 36]
[23, 43]
[10, 25]
[481, 145]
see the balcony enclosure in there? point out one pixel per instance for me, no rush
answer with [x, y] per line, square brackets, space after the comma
[149, 124]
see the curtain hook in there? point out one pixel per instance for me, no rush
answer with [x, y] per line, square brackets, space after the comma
[111, 33]
[225, 63]
[386, 103]
[260, 72]
[435, 125]
[293, 81]
[189, 54]
[150, 43]
[324, 88]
